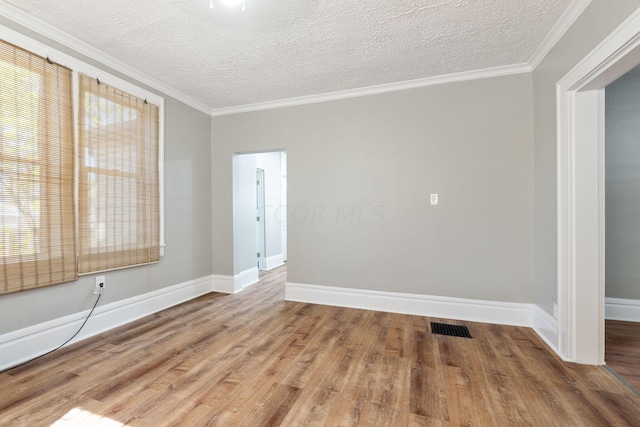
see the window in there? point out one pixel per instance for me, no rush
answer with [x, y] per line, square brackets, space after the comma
[37, 241]
[80, 168]
[118, 180]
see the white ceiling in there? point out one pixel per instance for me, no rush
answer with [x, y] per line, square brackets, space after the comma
[280, 49]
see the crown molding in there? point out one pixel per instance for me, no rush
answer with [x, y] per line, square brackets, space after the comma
[374, 90]
[47, 30]
[569, 16]
[563, 24]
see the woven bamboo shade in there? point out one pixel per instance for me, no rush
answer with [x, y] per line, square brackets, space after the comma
[37, 228]
[119, 221]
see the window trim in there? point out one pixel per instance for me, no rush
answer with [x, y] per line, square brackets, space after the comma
[78, 66]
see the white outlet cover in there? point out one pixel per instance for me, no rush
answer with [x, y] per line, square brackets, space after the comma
[434, 199]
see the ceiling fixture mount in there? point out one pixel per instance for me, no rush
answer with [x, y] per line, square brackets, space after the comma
[229, 3]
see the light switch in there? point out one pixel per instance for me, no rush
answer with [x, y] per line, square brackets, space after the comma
[434, 199]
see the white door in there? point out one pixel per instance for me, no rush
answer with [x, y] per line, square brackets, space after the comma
[260, 222]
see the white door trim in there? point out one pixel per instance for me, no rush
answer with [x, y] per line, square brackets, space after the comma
[580, 168]
[261, 231]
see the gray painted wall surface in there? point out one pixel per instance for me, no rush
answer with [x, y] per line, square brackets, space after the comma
[360, 172]
[599, 19]
[622, 191]
[188, 224]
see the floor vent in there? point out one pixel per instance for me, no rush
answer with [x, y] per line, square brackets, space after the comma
[452, 330]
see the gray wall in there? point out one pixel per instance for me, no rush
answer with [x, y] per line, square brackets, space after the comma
[188, 224]
[360, 172]
[623, 187]
[599, 19]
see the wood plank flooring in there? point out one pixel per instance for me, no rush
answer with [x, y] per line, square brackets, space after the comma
[622, 350]
[253, 359]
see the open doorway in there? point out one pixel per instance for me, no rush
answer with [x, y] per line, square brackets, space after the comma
[259, 213]
[622, 227]
[581, 205]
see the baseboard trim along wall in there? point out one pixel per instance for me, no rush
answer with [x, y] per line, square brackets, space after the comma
[235, 284]
[622, 309]
[27, 343]
[246, 278]
[546, 326]
[504, 313]
[24, 344]
[274, 261]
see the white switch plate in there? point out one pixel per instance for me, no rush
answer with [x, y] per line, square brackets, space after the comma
[434, 199]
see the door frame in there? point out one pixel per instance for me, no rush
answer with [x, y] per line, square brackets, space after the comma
[261, 229]
[580, 186]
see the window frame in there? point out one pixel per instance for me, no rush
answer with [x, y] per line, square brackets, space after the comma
[78, 66]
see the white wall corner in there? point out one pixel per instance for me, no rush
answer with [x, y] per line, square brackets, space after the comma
[24, 344]
[546, 326]
[627, 310]
[504, 313]
[274, 261]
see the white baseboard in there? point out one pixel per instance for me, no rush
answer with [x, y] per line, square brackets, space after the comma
[546, 326]
[504, 313]
[235, 284]
[24, 344]
[622, 309]
[246, 278]
[223, 284]
[274, 261]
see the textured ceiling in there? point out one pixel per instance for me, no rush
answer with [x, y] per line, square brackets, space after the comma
[281, 49]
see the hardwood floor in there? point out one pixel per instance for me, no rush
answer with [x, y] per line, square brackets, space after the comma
[622, 350]
[253, 359]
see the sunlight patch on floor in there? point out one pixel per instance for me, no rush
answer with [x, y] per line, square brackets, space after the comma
[80, 417]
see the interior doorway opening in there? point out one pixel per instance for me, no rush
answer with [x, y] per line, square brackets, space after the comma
[581, 190]
[622, 227]
[259, 212]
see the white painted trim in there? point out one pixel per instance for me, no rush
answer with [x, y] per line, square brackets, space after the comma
[565, 22]
[373, 90]
[246, 278]
[504, 313]
[47, 30]
[223, 284]
[580, 145]
[24, 344]
[546, 326]
[627, 310]
[274, 261]
[235, 284]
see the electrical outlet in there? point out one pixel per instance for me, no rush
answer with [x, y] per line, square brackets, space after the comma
[99, 287]
[555, 310]
[434, 199]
